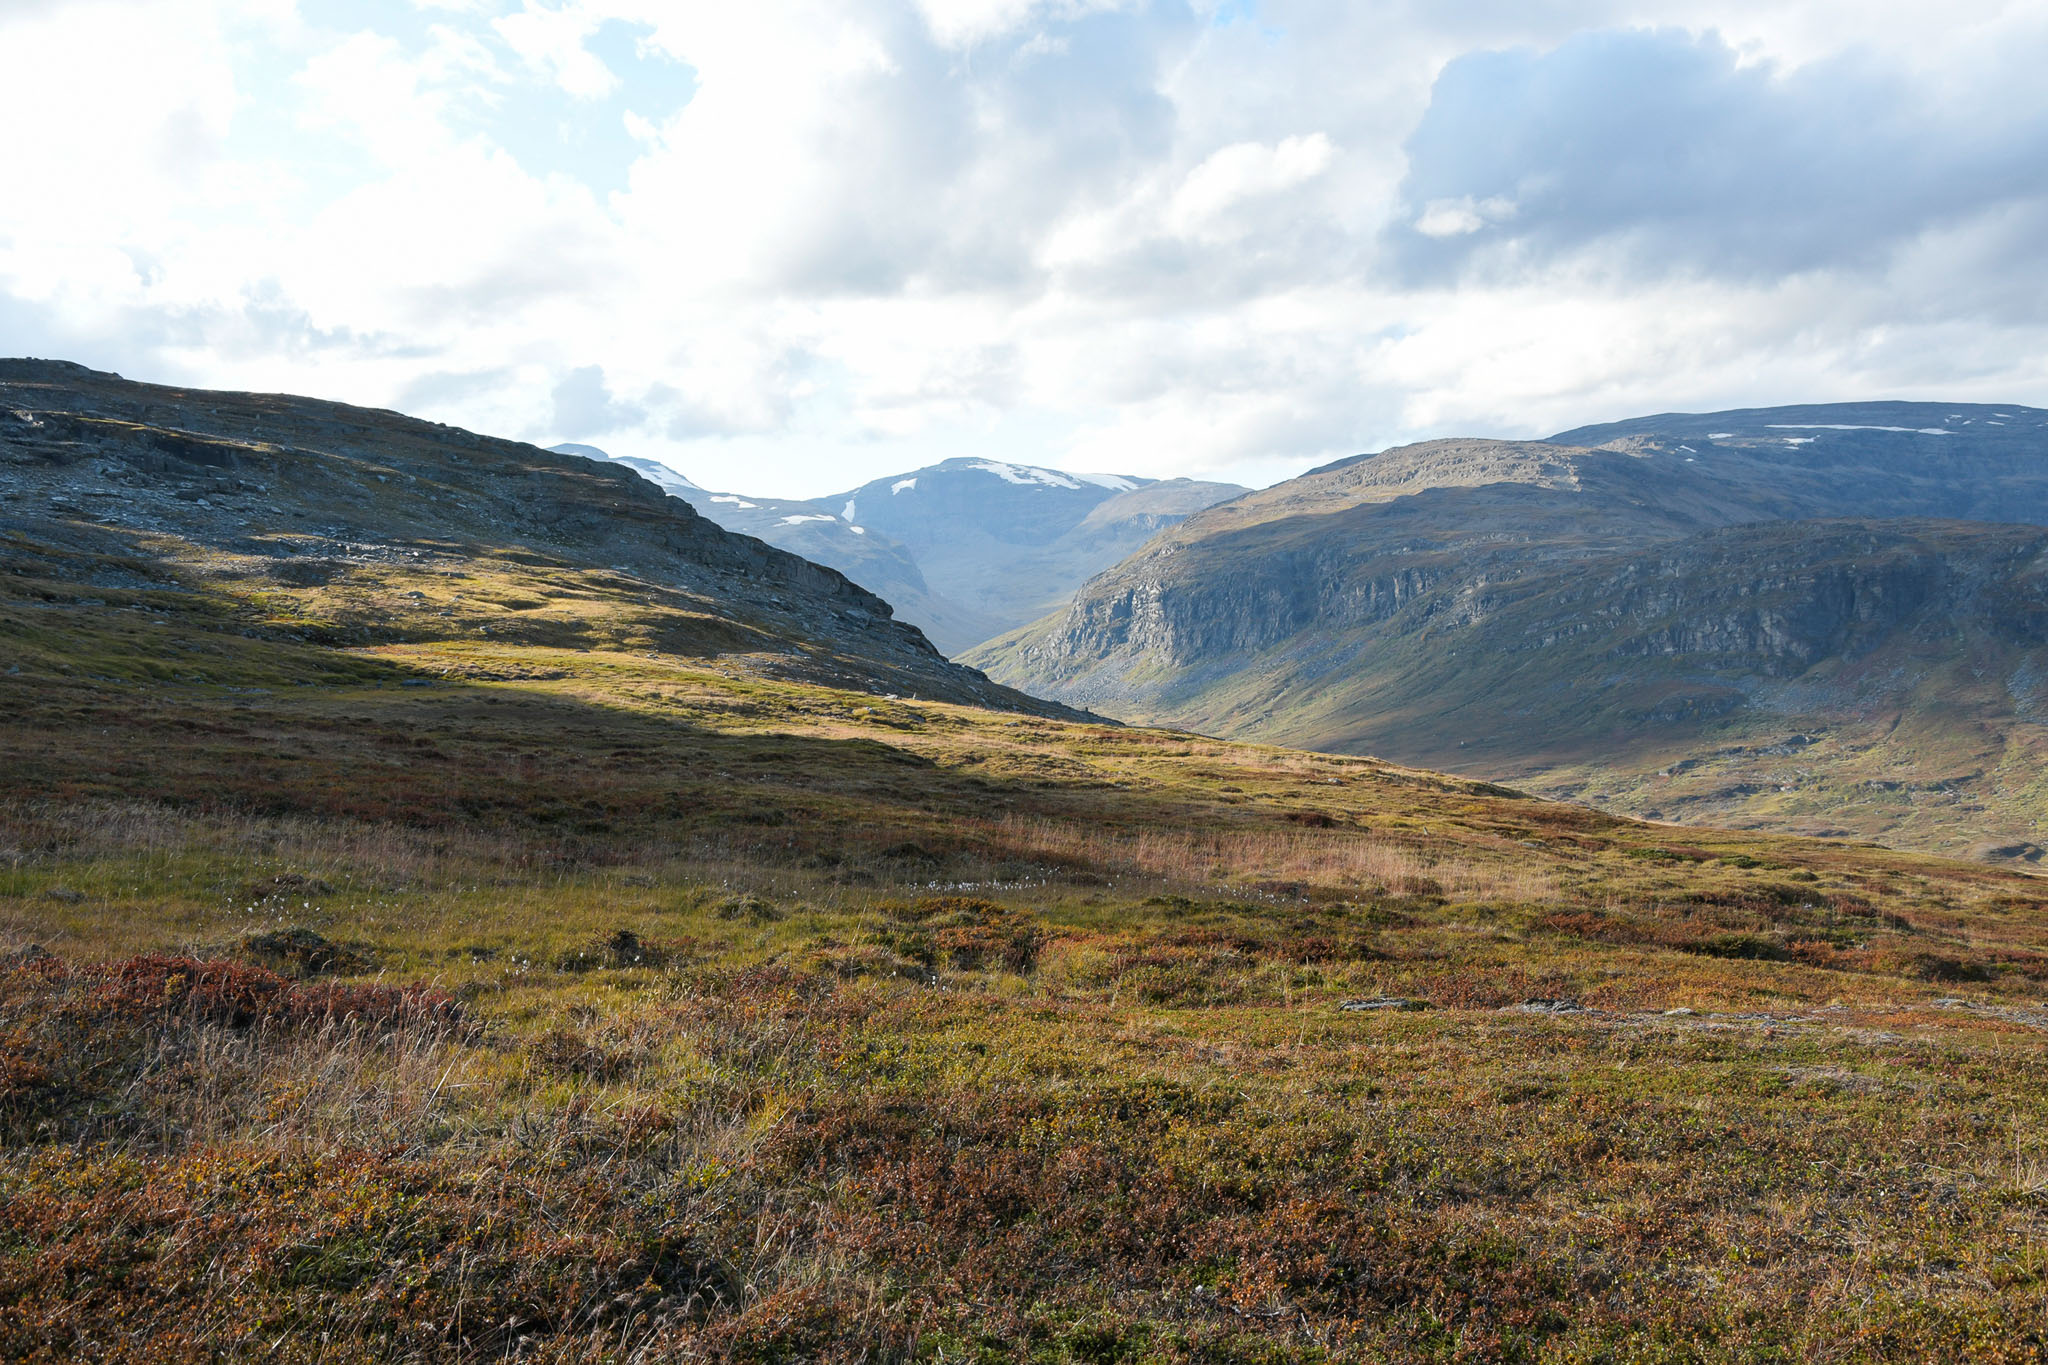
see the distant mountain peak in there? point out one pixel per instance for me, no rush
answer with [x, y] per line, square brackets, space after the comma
[966, 548]
[654, 471]
[1053, 478]
[1027, 475]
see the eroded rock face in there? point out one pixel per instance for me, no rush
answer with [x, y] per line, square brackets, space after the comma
[1775, 600]
[1597, 604]
[1185, 623]
[1781, 598]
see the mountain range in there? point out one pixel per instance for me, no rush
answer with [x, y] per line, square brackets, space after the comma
[1831, 619]
[966, 549]
[1827, 619]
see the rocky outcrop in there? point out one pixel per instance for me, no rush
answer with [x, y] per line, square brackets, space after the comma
[1184, 624]
[1780, 599]
[263, 476]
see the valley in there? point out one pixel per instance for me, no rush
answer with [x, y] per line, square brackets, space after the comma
[1023, 682]
[496, 914]
[1004, 543]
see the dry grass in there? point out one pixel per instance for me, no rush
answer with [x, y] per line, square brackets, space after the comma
[1351, 861]
[146, 832]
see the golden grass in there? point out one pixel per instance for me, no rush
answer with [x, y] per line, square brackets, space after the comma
[1364, 863]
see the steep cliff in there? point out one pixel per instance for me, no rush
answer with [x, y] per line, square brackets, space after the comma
[1584, 619]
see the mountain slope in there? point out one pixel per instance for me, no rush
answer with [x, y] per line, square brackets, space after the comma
[1008, 542]
[320, 521]
[1655, 623]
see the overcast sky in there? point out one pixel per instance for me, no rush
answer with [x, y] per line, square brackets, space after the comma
[789, 246]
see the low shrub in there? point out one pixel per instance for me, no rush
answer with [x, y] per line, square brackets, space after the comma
[302, 953]
[622, 948]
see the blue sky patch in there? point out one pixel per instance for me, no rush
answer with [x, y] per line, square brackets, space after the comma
[541, 126]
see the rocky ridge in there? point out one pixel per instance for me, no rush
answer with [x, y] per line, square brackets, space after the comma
[278, 494]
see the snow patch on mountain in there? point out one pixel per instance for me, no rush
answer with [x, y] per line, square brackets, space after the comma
[1025, 474]
[1847, 426]
[654, 471]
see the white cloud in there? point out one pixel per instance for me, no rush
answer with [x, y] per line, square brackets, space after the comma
[1104, 234]
[1245, 170]
[963, 23]
[1462, 216]
[552, 40]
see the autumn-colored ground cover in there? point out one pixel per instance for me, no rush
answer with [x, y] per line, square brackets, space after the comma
[593, 1006]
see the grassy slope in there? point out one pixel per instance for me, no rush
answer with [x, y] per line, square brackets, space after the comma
[941, 1033]
[1919, 744]
[344, 525]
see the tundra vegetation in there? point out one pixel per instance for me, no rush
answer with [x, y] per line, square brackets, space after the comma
[553, 997]
[416, 945]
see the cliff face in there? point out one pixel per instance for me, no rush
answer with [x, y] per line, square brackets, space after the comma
[1585, 617]
[1182, 625]
[1780, 598]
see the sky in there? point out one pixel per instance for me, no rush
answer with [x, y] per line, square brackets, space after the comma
[786, 247]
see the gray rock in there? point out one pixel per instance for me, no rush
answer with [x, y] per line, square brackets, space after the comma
[388, 484]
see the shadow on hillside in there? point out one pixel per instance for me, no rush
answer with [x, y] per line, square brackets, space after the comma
[536, 775]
